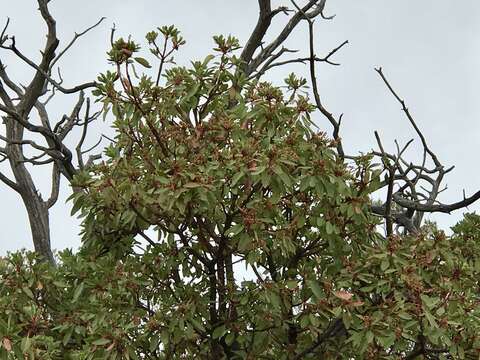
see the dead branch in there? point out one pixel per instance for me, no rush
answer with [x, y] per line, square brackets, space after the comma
[334, 122]
[419, 199]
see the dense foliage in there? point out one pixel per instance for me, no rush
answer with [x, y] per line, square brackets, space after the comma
[264, 245]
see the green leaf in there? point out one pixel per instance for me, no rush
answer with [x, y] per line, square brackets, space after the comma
[259, 170]
[244, 242]
[316, 289]
[198, 325]
[207, 59]
[26, 344]
[78, 292]
[193, 90]
[77, 204]
[274, 299]
[154, 341]
[283, 176]
[404, 316]
[329, 228]
[142, 62]
[369, 337]
[235, 229]
[430, 302]
[101, 342]
[292, 284]
[67, 336]
[236, 178]
[192, 185]
[386, 341]
[384, 264]
[229, 339]
[430, 319]
[219, 332]
[27, 291]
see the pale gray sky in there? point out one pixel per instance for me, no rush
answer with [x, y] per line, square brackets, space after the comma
[429, 50]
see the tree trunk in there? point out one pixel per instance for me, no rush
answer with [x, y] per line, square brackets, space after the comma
[38, 217]
[37, 208]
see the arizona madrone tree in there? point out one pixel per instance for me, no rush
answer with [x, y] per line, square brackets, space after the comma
[230, 172]
[21, 104]
[27, 118]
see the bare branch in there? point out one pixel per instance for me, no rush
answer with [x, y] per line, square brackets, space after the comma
[75, 38]
[3, 37]
[13, 185]
[443, 208]
[322, 13]
[93, 147]
[50, 151]
[262, 26]
[14, 87]
[36, 87]
[271, 64]
[55, 186]
[409, 116]
[56, 145]
[7, 110]
[78, 148]
[335, 123]
[35, 160]
[112, 33]
[91, 159]
[434, 176]
[47, 77]
[400, 218]
[268, 63]
[391, 178]
[71, 120]
[256, 38]
[4, 97]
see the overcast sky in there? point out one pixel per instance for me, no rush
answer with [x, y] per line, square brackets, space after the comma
[429, 50]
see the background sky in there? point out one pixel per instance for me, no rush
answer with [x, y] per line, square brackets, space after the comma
[428, 49]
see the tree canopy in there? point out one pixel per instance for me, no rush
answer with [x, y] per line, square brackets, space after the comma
[221, 222]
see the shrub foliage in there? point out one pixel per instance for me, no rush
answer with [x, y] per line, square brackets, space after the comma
[223, 224]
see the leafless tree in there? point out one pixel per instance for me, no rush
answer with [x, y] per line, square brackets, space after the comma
[30, 136]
